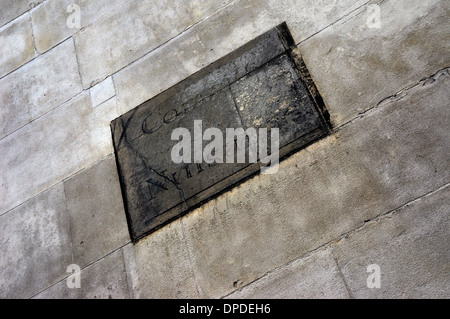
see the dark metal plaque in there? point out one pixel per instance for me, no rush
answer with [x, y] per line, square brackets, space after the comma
[263, 84]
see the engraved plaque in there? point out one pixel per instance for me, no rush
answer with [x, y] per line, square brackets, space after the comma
[262, 85]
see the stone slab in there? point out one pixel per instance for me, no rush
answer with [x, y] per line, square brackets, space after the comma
[50, 19]
[261, 85]
[306, 18]
[355, 67]
[35, 245]
[313, 277]
[371, 166]
[218, 35]
[126, 35]
[11, 9]
[17, 45]
[411, 247]
[104, 279]
[159, 267]
[38, 87]
[54, 147]
[97, 220]
[102, 92]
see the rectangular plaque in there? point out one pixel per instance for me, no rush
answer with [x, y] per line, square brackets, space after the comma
[263, 84]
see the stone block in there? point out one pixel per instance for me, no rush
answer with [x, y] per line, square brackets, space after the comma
[305, 18]
[260, 85]
[159, 267]
[53, 147]
[104, 279]
[38, 87]
[35, 247]
[170, 19]
[11, 9]
[313, 277]
[411, 248]
[355, 67]
[97, 219]
[17, 45]
[369, 167]
[50, 19]
[228, 29]
[275, 96]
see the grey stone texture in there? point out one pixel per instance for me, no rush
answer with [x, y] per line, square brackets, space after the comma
[411, 247]
[11, 9]
[53, 147]
[225, 31]
[104, 279]
[158, 266]
[355, 67]
[94, 202]
[35, 245]
[50, 19]
[374, 191]
[316, 276]
[38, 87]
[102, 92]
[260, 85]
[277, 97]
[328, 189]
[17, 45]
[305, 18]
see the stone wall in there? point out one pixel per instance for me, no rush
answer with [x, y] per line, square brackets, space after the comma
[375, 191]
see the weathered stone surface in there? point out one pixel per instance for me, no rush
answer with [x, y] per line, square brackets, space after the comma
[53, 147]
[105, 279]
[97, 218]
[144, 163]
[102, 92]
[272, 97]
[305, 18]
[17, 45]
[35, 245]
[11, 9]
[50, 19]
[169, 18]
[376, 60]
[411, 247]
[110, 44]
[369, 167]
[258, 86]
[38, 87]
[173, 62]
[355, 66]
[228, 29]
[122, 37]
[159, 267]
[316, 276]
